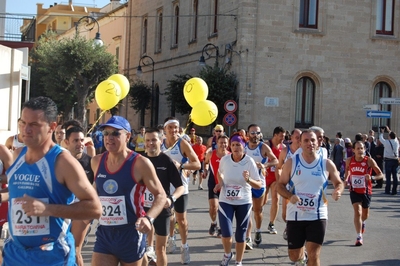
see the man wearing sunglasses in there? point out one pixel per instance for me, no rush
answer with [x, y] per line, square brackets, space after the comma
[121, 179]
[212, 142]
[264, 158]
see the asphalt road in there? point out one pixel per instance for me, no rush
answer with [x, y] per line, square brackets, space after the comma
[381, 239]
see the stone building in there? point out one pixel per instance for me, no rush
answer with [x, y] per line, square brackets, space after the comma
[299, 63]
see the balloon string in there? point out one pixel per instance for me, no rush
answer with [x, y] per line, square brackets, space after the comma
[98, 119]
[187, 124]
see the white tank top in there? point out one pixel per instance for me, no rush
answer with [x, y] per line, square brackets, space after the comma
[258, 158]
[16, 144]
[309, 183]
[175, 153]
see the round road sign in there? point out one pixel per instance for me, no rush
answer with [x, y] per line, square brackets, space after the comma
[230, 106]
[229, 119]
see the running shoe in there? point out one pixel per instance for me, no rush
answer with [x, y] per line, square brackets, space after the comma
[258, 238]
[171, 246]
[213, 229]
[271, 229]
[185, 256]
[219, 234]
[249, 244]
[176, 228]
[285, 234]
[200, 188]
[363, 228]
[152, 257]
[359, 241]
[302, 262]
[225, 260]
[239, 264]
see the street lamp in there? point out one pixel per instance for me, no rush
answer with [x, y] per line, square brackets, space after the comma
[148, 61]
[97, 40]
[202, 61]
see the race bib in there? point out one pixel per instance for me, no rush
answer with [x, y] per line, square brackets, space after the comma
[358, 181]
[114, 211]
[272, 169]
[233, 192]
[24, 225]
[308, 202]
[140, 145]
[148, 198]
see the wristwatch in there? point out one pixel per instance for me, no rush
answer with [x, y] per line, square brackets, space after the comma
[151, 220]
[172, 198]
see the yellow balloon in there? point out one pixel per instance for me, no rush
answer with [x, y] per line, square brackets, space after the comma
[204, 113]
[123, 83]
[195, 90]
[107, 94]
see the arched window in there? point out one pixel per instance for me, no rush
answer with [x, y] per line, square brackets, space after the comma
[176, 26]
[144, 37]
[382, 90]
[305, 101]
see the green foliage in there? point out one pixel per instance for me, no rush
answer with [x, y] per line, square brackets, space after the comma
[69, 70]
[174, 93]
[140, 95]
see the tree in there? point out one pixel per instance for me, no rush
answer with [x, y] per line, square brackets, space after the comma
[68, 71]
[140, 98]
[174, 93]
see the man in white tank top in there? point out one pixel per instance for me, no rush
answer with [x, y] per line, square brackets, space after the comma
[307, 174]
[14, 142]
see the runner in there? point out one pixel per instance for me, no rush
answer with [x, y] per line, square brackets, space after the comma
[120, 180]
[42, 181]
[185, 160]
[237, 174]
[276, 145]
[5, 163]
[74, 139]
[358, 176]
[168, 175]
[286, 154]
[200, 151]
[15, 142]
[307, 174]
[211, 165]
[212, 142]
[138, 141]
[264, 159]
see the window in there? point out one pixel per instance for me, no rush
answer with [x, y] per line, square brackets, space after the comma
[305, 101]
[308, 17]
[159, 32]
[176, 27]
[215, 18]
[144, 37]
[382, 90]
[384, 17]
[195, 20]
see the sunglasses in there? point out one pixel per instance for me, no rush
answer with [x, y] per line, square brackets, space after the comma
[255, 133]
[218, 130]
[114, 133]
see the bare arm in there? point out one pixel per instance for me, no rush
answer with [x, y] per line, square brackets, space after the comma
[347, 170]
[207, 163]
[377, 170]
[335, 179]
[9, 142]
[144, 172]
[187, 150]
[281, 160]
[284, 180]
[71, 174]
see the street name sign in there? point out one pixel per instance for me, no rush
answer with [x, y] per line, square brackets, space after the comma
[374, 107]
[389, 100]
[379, 114]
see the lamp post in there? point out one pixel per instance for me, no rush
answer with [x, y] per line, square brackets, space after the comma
[148, 61]
[97, 40]
[202, 61]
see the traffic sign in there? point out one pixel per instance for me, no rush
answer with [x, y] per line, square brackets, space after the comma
[230, 106]
[379, 114]
[389, 100]
[229, 119]
[374, 107]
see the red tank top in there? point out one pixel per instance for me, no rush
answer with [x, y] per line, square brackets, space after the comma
[276, 151]
[357, 180]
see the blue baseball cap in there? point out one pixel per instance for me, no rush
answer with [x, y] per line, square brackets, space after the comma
[117, 122]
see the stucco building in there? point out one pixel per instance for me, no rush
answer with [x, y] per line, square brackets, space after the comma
[298, 63]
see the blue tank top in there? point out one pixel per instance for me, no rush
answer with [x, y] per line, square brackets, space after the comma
[120, 196]
[37, 180]
[214, 143]
[257, 156]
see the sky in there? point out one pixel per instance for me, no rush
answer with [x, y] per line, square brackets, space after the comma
[29, 6]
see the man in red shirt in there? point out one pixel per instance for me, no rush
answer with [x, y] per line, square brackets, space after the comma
[200, 151]
[192, 136]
